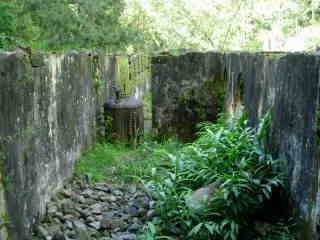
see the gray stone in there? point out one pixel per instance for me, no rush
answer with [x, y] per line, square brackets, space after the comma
[71, 234]
[95, 225]
[96, 208]
[68, 207]
[78, 225]
[59, 236]
[117, 192]
[142, 202]
[132, 189]
[199, 199]
[132, 210]
[109, 198]
[90, 219]
[102, 188]
[52, 209]
[134, 228]
[53, 229]
[58, 215]
[66, 193]
[87, 193]
[69, 224]
[117, 223]
[150, 214]
[124, 236]
[106, 221]
[91, 223]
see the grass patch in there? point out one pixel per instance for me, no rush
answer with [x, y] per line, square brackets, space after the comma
[99, 162]
[145, 162]
[120, 163]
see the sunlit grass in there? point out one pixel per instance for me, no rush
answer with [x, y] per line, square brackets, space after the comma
[97, 163]
[120, 163]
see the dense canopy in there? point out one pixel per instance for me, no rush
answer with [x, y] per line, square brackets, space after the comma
[154, 25]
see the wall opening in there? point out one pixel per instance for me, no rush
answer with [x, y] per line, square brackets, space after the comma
[134, 80]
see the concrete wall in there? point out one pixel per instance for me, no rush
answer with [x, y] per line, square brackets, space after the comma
[188, 86]
[48, 112]
[185, 90]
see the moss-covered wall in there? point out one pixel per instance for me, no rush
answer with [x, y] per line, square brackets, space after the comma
[186, 90]
[190, 88]
[48, 110]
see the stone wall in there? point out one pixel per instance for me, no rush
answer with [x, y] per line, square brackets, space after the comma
[48, 110]
[187, 89]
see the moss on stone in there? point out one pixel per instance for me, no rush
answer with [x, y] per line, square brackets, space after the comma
[215, 88]
[37, 59]
[274, 56]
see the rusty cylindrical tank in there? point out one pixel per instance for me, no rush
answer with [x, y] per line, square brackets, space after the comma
[124, 120]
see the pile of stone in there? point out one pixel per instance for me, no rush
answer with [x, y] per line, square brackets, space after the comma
[99, 211]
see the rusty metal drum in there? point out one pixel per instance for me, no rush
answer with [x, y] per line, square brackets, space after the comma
[124, 120]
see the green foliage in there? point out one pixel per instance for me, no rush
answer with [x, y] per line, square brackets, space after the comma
[123, 75]
[118, 162]
[16, 27]
[153, 25]
[280, 231]
[97, 162]
[147, 161]
[264, 126]
[5, 221]
[7, 22]
[104, 128]
[108, 128]
[97, 85]
[78, 24]
[67, 24]
[224, 25]
[229, 155]
[132, 71]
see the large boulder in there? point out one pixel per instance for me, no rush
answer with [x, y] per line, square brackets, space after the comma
[199, 199]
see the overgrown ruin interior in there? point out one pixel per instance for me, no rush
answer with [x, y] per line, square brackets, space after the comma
[50, 106]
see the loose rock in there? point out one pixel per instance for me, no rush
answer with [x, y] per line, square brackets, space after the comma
[96, 212]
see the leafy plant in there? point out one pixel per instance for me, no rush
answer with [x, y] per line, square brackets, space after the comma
[7, 22]
[228, 155]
